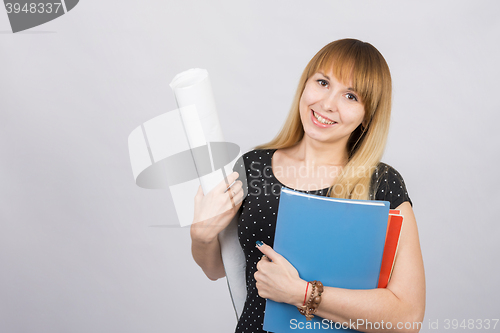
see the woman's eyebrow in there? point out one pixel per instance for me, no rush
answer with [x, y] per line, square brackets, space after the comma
[326, 76]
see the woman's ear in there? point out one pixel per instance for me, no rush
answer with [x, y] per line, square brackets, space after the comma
[364, 124]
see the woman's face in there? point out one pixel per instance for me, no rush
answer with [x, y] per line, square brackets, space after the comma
[329, 110]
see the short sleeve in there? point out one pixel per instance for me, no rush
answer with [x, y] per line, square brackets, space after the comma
[242, 168]
[390, 186]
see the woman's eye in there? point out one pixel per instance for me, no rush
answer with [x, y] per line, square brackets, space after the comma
[352, 97]
[323, 83]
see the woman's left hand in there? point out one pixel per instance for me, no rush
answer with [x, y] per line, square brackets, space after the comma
[277, 279]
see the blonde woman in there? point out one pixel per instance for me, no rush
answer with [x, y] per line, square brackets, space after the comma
[330, 145]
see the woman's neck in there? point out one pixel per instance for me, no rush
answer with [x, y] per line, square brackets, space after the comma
[312, 152]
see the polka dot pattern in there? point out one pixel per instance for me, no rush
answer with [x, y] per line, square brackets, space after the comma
[389, 185]
[258, 214]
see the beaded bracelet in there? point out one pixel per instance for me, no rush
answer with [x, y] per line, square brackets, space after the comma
[309, 309]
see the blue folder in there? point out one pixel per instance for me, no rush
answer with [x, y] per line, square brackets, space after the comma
[339, 242]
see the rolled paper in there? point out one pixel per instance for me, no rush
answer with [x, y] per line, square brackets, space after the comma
[192, 87]
[202, 125]
[161, 157]
[183, 149]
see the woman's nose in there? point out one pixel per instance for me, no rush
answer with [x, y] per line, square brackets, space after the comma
[329, 102]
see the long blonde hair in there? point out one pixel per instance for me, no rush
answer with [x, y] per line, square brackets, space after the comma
[349, 59]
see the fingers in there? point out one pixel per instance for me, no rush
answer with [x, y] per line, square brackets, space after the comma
[235, 192]
[265, 258]
[261, 262]
[232, 177]
[228, 181]
[268, 251]
[238, 198]
[236, 188]
[258, 266]
[216, 202]
[229, 187]
[233, 188]
[232, 201]
[260, 283]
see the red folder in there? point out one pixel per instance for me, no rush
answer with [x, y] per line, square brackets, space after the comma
[391, 245]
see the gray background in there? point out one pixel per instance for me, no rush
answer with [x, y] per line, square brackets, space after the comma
[83, 249]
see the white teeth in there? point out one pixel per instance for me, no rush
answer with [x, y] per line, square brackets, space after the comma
[322, 120]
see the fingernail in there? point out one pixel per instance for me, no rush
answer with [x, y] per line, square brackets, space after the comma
[259, 243]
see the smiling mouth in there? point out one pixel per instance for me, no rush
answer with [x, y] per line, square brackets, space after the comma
[323, 120]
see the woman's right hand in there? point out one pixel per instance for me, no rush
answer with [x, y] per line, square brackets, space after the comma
[214, 211]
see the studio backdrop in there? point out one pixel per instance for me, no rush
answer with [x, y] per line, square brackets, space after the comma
[84, 249]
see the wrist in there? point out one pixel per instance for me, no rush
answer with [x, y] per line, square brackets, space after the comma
[310, 308]
[303, 291]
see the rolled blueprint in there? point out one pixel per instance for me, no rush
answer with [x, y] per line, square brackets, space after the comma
[183, 149]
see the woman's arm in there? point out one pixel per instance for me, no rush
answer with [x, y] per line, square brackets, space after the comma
[213, 213]
[402, 302]
[208, 256]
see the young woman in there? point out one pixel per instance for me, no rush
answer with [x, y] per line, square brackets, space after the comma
[330, 145]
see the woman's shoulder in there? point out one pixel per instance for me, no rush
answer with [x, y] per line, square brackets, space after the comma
[253, 159]
[256, 153]
[257, 157]
[386, 169]
[389, 185]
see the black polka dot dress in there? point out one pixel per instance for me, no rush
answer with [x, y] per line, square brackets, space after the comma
[258, 213]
